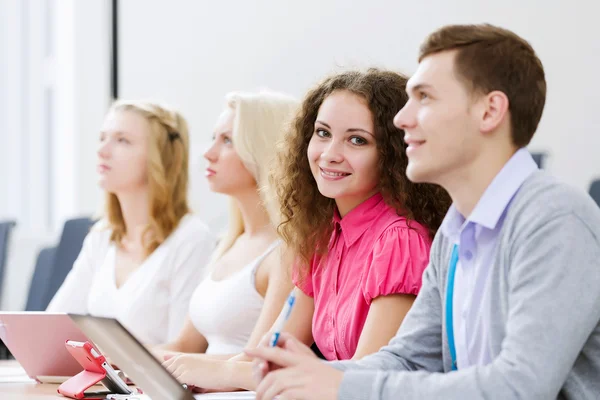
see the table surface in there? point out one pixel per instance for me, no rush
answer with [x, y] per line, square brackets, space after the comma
[14, 384]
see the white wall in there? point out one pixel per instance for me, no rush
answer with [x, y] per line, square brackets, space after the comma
[82, 84]
[192, 53]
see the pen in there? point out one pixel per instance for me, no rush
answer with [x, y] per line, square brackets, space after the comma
[285, 314]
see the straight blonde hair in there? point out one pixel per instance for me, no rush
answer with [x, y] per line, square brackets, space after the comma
[168, 158]
[259, 123]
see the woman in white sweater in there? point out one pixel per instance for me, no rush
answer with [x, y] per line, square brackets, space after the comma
[143, 260]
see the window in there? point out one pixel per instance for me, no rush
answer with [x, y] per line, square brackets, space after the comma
[26, 104]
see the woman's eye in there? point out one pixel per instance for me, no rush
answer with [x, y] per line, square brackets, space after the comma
[358, 141]
[322, 133]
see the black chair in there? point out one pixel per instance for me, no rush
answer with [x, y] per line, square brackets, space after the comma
[71, 241]
[42, 275]
[595, 191]
[4, 353]
[539, 159]
[5, 231]
[317, 351]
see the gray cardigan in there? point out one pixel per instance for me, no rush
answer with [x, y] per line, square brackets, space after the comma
[545, 338]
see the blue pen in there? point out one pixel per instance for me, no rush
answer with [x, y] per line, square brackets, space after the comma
[285, 314]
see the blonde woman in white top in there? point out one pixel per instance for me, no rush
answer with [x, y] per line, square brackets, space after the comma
[143, 260]
[247, 283]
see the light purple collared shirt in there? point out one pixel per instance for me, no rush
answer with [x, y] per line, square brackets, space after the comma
[477, 238]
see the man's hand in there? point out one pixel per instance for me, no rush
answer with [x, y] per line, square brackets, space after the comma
[292, 371]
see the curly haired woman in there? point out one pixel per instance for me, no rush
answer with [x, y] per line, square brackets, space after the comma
[362, 231]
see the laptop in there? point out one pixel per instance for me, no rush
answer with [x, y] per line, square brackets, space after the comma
[132, 357]
[37, 341]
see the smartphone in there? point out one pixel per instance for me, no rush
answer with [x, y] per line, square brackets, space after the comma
[91, 360]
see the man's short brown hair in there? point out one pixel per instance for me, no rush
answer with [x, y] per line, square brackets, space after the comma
[491, 58]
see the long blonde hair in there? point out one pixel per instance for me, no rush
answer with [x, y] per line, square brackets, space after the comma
[168, 158]
[260, 121]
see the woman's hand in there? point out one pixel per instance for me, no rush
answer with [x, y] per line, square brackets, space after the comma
[197, 370]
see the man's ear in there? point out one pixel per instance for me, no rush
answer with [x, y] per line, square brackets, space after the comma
[495, 108]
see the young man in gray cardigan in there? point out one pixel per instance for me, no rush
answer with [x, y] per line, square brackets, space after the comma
[510, 303]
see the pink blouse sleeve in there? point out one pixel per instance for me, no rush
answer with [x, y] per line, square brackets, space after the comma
[399, 258]
[303, 281]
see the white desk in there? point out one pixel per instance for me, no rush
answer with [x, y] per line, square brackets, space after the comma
[14, 384]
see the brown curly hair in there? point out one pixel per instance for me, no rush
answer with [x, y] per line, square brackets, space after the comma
[307, 215]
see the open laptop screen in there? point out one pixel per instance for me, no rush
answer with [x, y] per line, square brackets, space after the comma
[37, 342]
[131, 357]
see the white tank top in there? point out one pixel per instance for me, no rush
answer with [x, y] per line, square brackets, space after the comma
[225, 311]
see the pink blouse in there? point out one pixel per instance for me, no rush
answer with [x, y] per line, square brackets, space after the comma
[372, 252]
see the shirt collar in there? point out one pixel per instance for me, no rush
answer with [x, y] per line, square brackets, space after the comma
[496, 197]
[359, 219]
